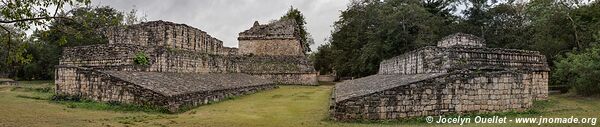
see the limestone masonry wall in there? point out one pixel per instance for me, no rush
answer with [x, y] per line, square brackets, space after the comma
[459, 76]
[180, 48]
[436, 60]
[271, 47]
[100, 86]
[461, 40]
[451, 93]
[277, 68]
[99, 55]
[277, 38]
[167, 34]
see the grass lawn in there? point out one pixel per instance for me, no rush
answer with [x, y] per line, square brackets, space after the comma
[28, 105]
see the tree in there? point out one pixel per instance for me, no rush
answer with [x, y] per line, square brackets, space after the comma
[580, 71]
[12, 47]
[296, 15]
[84, 27]
[559, 27]
[321, 59]
[22, 14]
[370, 31]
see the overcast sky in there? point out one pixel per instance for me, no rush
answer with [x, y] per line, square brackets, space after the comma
[224, 19]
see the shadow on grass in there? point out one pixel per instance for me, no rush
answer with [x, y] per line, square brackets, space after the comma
[76, 102]
[46, 89]
[41, 90]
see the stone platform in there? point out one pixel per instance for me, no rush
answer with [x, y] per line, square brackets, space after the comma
[7, 81]
[166, 89]
[460, 75]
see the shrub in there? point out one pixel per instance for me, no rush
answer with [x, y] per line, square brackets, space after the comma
[65, 98]
[141, 59]
[580, 71]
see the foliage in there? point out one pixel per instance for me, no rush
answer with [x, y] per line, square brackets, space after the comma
[323, 62]
[24, 13]
[560, 27]
[82, 28]
[141, 59]
[17, 15]
[580, 71]
[12, 49]
[297, 16]
[44, 58]
[370, 31]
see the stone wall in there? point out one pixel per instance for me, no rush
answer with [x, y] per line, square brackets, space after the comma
[326, 78]
[436, 60]
[167, 34]
[461, 40]
[459, 76]
[276, 38]
[450, 93]
[114, 87]
[283, 69]
[271, 47]
[98, 86]
[182, 61]
[7, 81]
[100, 55]
[290, 78]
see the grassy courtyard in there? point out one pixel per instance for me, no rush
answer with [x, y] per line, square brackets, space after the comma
[29, 105]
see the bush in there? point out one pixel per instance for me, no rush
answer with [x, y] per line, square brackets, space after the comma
[580, 71]
[65, 98]
[141, 59]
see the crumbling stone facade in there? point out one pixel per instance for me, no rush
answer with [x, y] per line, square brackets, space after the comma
[277, 38]
[187, 67]
[460, 75]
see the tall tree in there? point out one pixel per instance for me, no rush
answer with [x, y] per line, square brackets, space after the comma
[22, 14]
[13, 50]
[370, 31]
[559, 27]
[296, 15]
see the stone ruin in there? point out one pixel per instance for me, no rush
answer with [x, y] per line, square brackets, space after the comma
[187, 67]
[7, 81]
[460, 76]
[4, 80]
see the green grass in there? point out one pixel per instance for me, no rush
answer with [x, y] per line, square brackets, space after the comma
[30, 105]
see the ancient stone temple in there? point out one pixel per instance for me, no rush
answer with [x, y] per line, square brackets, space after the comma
[459, 75]
[276, 38]
[186, 66]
